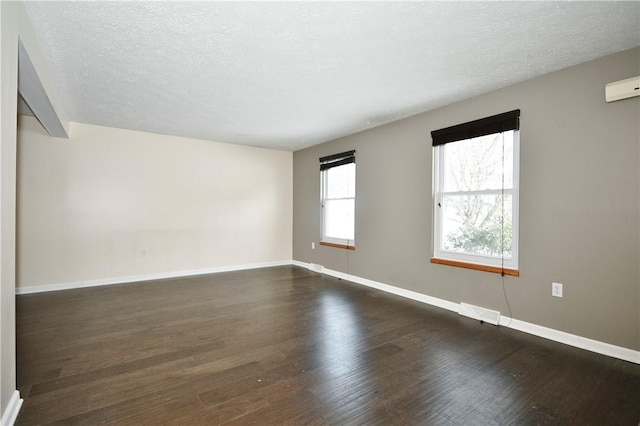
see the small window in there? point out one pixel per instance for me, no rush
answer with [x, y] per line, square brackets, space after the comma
[338, 193]
[476, 194]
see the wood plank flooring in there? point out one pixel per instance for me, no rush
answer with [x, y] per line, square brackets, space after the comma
[287, 346]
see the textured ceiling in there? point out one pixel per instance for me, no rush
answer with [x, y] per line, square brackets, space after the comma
[293, 74]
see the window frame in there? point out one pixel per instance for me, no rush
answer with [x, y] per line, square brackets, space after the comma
[466, 260]
[327, 163]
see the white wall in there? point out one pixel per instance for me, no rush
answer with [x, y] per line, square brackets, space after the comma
[109, 203]
[14, 26]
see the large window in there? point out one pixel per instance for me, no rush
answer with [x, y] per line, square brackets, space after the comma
[338, 199]
[476, 194]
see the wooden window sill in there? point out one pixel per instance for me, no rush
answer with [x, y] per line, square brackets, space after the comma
[477, 267]
[342, 246]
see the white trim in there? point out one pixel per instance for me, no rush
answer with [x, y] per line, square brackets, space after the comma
[596, 346]
[146, 277]
[301, 264]
[479, 313]
[438, 193]
[429, 300]
[572, 340]
[324, 198]
[537, 330]
[10, 413]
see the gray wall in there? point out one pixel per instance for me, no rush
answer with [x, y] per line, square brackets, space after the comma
[579, 204]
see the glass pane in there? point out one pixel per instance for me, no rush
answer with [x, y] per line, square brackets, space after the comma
[341, 181]
[473, 224]
[477, 164]
[338, 219]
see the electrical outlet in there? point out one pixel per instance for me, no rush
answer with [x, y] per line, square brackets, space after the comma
[313, 246]
[556, 289]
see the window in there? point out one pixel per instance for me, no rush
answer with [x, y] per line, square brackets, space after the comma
[338, 199]
[476, 194]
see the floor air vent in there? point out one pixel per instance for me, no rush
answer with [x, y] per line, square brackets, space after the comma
[479, 313]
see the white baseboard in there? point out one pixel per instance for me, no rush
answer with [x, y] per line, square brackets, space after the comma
[146, 277]
[572, 340]
[479, 313]
[537, 330]
[10, 413]
[527, 327]
[441, 303]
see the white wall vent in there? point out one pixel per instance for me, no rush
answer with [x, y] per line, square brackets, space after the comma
[479, 313]
[622, 89]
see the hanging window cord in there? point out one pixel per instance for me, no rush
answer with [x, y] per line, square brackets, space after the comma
[502, 274]
[348, 270]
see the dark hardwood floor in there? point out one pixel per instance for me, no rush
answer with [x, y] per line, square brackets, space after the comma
[285, 345]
